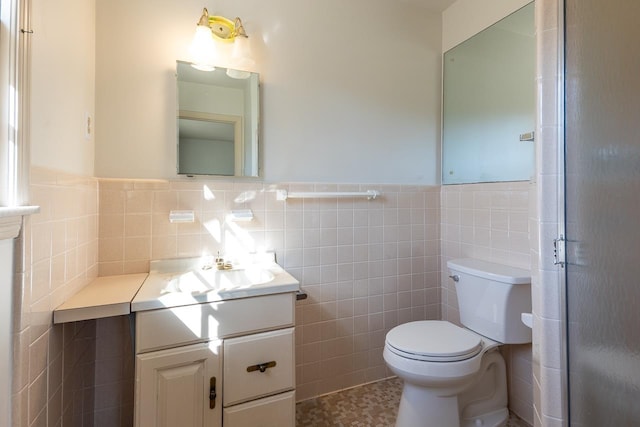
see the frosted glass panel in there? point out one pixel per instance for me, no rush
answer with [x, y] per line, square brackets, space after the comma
[489, 101]
[603, 211]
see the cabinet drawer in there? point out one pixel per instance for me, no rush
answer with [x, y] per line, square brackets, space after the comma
[171, 327]
[258, 365]
[273, 411]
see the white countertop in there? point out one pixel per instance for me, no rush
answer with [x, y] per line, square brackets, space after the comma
[104, 297]
[165, 287]
[158, 289]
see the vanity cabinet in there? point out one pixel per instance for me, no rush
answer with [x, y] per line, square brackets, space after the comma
[228, 363]
[178, 387]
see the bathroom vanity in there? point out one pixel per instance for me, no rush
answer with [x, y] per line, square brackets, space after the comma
[213, 347]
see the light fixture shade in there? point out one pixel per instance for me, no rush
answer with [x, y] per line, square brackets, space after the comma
[238, 74]
[241, 53]
[203, 49]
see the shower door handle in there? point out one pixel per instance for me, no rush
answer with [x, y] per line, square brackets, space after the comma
[559, 252]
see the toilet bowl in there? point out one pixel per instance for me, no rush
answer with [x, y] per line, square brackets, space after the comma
[455, 376]
[436, 369]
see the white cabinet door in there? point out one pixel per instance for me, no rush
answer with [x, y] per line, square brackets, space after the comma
[179, 387]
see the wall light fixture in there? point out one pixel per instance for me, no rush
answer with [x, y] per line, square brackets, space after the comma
[211, 33]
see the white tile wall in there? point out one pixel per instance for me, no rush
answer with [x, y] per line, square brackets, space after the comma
[57, 255]
[484, 221]
[367, 265]
[490, 222]
[550, 397]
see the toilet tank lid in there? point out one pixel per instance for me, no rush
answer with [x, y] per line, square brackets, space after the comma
[490, 270]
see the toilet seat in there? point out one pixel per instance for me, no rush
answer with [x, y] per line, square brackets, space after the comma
[433, 341]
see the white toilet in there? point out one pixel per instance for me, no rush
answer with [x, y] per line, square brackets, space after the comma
[455, 376]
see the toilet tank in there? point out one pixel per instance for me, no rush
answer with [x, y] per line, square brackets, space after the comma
[491, 298]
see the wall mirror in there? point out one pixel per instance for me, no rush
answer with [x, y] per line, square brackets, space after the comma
[218, 120]
[489, 104]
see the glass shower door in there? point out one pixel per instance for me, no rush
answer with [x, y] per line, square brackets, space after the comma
[602, 125]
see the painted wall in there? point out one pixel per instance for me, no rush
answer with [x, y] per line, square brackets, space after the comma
[354, 85]
[62, 84]
[57, 252]
[465, 18]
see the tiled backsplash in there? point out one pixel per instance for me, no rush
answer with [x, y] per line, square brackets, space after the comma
[367, 265]
[490, 222]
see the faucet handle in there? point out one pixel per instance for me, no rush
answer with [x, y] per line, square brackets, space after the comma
[224, 266]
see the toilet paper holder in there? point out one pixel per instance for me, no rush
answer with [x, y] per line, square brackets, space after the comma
[527, 319]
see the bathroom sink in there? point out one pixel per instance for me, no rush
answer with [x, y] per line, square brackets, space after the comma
[201, 280]
[186, 281]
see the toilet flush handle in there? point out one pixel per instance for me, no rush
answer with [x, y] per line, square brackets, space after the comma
[455, 277]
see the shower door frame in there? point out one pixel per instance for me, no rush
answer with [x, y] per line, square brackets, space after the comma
[561, 205]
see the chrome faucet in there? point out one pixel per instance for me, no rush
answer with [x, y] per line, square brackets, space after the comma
[221, 265]
[218, 262]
